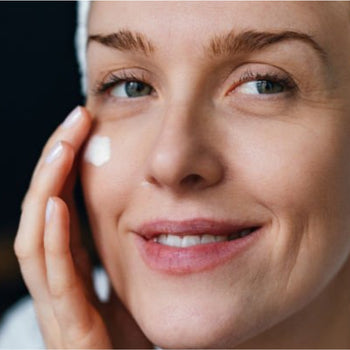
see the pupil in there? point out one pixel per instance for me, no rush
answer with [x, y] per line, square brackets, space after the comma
[136, 89]
[268, 87]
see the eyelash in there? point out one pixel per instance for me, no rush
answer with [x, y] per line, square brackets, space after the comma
[123, 77]
[115, 79]
[286, 81]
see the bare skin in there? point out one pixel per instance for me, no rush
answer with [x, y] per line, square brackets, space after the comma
[54, 264]
[279, 158]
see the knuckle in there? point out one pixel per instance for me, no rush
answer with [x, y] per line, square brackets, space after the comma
[82, 334]
[22, 250]
[61, 287]
[52, 249]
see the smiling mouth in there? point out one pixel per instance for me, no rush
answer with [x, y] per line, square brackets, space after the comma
[185, 241]
[191, 246]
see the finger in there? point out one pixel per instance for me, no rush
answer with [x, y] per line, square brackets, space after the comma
[73, 130]
[45, 316]
[75, 315]
[49, 180]
[29, 240]
[81, 257]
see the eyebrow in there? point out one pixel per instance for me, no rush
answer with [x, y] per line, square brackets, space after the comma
[222, 44]
[125, 40]
[249, 41]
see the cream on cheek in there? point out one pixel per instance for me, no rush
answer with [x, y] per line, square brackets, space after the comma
[98, 150]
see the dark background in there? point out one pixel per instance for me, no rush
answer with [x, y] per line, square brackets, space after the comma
[39, 86]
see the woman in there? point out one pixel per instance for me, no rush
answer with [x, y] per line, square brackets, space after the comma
[216, 179]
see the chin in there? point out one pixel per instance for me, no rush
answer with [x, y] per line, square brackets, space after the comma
[196, 328]
[191, 335]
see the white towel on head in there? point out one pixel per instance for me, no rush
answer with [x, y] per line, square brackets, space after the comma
[83, 7]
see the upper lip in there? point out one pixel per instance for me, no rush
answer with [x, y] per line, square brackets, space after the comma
[198, 226]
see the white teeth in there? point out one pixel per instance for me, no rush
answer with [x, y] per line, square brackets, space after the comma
[163, 239]
[188, 241]
[174, 241]
[207, 239]
[191, 240]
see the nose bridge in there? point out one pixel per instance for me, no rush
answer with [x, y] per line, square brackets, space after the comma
[181, 156]
[178, 122]
[176, 138]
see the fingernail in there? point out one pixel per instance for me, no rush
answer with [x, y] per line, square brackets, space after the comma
[49, 209]
[55, 152]
[72, 118]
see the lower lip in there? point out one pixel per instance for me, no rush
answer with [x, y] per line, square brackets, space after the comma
[203, 257]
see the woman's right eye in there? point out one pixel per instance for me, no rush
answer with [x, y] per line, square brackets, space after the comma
[131, 89]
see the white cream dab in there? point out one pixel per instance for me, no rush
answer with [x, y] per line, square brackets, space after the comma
[98, 150]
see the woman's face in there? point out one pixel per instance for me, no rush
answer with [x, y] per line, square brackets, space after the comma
[234, 116]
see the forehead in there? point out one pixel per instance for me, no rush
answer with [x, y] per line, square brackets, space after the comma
[194, 21]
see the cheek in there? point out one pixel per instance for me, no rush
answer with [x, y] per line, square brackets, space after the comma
[302, 175]
[289, 165]
[110, 172]
[111, 163]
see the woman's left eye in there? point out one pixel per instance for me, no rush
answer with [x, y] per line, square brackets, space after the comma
[260, 87]
[131, 89]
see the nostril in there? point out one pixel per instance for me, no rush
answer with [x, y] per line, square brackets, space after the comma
[191, 179]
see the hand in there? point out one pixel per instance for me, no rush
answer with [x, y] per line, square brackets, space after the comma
[55, 266]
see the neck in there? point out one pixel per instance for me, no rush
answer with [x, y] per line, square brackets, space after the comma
[324, 323]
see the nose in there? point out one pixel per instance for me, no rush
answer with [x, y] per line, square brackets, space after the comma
[184, 155]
